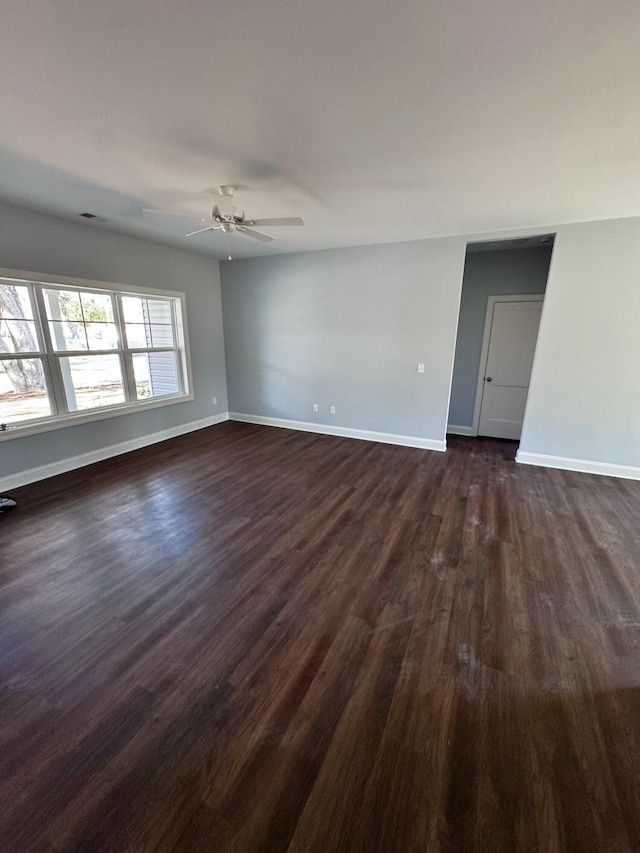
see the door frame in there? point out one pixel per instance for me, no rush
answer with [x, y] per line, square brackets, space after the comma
[488, 320]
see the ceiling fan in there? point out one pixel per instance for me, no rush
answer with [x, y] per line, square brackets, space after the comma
[229, 219]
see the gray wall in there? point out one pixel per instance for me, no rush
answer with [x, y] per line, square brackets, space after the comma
[488, 273]
[346, 328]
[38, 243]
[584, 397]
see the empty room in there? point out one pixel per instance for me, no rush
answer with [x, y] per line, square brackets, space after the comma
[319, 427]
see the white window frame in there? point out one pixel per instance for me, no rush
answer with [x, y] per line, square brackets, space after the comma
[50, 357]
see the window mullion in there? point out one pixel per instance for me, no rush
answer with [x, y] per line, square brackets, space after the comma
[126, 358]
[142, 350]
[179, 366]
[51, 363]
[174, 322]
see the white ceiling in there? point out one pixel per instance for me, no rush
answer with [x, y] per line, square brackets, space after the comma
[376, 121]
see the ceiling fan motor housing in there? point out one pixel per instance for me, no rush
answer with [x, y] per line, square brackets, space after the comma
[224, 207]
[229, 219]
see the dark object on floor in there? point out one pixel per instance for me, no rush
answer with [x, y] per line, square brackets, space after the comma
[7, 502]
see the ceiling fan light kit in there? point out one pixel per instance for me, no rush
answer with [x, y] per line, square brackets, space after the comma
[229, 219]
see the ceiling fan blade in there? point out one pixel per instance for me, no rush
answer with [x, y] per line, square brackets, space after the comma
[202, 230]
[173, 213]
[281, 220]
[257, 235]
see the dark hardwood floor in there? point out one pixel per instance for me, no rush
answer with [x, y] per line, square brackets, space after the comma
[250, 639]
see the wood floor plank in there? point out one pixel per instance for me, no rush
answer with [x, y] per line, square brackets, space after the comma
[250, 639]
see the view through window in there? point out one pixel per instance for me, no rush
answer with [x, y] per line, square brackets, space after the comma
[65, 350]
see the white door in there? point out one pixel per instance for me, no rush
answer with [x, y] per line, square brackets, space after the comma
[512, 343]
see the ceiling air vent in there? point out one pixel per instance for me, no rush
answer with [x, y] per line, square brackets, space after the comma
[89, 215]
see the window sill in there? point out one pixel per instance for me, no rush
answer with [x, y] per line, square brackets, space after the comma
[35, 427]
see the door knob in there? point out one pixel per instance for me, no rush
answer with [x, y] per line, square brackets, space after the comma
[489, 378]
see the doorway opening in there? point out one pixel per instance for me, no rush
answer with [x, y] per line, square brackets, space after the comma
[503, 290]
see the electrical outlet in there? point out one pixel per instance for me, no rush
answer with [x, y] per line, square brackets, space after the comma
[214, 400]
[420, 367]
[315, 407]
[332, 410]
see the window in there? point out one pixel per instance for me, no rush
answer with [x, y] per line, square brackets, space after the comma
[70, 352]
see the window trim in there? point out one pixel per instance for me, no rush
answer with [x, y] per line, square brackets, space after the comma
[60, 421]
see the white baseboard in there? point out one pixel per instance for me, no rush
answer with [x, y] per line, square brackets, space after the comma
[585, 466]
[343, 432]
[33, 475]
[454, 429]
